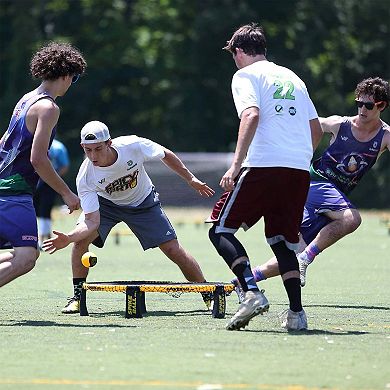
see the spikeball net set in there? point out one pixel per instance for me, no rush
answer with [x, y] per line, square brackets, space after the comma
[135, 294]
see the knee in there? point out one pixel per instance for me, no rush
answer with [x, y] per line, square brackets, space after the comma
[82, 245]
[28, 263]
[352, 221]
[227, 246]
[214, 237]
[172, 249]
[286, 258]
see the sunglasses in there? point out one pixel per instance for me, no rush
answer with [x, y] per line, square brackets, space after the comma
[75, 78]
[368, 105]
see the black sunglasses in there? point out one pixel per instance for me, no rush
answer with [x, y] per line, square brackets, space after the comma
[75, 78]
[368, 105]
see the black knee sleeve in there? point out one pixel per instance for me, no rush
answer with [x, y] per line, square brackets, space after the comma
[286, 257]
[227, 246]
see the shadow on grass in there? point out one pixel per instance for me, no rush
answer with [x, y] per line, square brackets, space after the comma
[351, 307]
[29, 323]
[311, 332]
[153, 313]
[190, 313]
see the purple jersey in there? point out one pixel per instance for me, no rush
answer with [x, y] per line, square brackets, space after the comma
[346, 160]
[17, 175]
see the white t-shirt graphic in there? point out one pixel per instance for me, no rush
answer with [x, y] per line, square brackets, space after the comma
[283, 136]
[125, 182]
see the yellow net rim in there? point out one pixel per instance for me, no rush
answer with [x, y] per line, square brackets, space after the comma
[164, 287]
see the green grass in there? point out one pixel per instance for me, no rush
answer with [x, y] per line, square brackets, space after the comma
[178, 345]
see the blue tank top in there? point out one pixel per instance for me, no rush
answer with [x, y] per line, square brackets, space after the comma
[17, 175]
[346, 160]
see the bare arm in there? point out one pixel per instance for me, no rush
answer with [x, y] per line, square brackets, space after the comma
[248, 124]
[173, 162]
[82, 230]
[46, 114]
[386, 138]
[316, 132]
[331, 124]
[63, 171]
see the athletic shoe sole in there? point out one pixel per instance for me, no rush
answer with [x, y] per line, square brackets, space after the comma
[243, 322]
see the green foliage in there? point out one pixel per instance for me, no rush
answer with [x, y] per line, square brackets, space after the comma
[156, 67]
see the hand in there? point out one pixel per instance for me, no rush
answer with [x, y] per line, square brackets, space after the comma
[72, 201]
[227, 181]
[201, 187]
[51, 245]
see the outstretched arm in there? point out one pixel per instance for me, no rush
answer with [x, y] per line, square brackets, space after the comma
[331, 124]
[83, 230]
[174, 162]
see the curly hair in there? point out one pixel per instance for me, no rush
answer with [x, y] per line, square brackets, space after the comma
[250, 38]
[376, 87]
[56, 60]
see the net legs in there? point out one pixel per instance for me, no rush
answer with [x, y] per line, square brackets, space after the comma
[83, 303]
[219, 307]
[135, 302]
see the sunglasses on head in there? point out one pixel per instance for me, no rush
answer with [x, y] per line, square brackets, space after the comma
[75, 78]
[368, 105]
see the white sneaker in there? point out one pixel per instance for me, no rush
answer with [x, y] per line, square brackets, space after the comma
[303, 264]
[254, 303]
[294, 320]
[72, 307]
[240, 293]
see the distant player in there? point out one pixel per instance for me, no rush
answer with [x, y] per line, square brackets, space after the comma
[24, 157]
[355, 145]
[45, 196]
[114, 187]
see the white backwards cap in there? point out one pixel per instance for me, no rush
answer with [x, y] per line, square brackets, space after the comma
[94, 132]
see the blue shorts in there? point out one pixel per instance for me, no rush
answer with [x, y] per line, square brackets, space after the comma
[147, 221]
[322, 197]
[18, 226]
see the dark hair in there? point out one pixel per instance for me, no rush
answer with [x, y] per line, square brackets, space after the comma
[376, 87]
[250, 38]
[56, 60]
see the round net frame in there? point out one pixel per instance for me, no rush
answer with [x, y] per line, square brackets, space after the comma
[172, 288]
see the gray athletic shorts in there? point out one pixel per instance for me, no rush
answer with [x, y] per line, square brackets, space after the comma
[147, 221]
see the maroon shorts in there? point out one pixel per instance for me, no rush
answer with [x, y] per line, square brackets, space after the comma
[277, 194]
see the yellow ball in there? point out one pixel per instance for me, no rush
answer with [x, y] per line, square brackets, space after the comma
[89, 259]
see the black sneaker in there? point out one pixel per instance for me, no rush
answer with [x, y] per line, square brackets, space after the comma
[208, 299]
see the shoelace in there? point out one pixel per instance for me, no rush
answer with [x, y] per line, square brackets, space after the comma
[283, 315]
[72, 299]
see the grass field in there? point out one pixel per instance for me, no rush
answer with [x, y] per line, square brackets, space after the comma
[178, 345]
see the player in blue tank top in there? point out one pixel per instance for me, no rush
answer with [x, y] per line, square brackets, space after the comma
[356, 143]
[45, 196]
[24, 157]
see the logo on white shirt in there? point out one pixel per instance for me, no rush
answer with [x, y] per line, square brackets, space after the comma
[131, 164]
[123, 183]
[292, 111]
[279, 108]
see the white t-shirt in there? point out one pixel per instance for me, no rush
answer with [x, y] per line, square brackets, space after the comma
[283, 136]
[125, 182]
